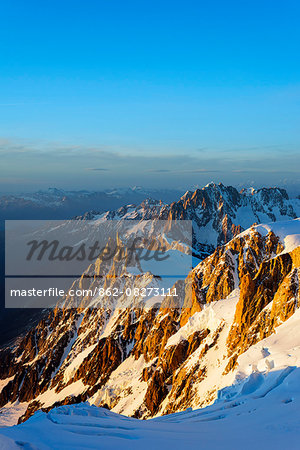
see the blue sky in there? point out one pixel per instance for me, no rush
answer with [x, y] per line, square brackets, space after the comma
[115, 93]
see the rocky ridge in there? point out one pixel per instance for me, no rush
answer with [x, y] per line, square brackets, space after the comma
[148, 361]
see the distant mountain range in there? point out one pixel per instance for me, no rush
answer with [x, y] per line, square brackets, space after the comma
[60, 204]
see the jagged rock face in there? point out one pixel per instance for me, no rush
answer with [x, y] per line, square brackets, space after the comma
[285, 299]
[266, 301]
[172, 353]
[255, 295]
[38, 355]
[105, 358]
[218, 212]
[144, 362]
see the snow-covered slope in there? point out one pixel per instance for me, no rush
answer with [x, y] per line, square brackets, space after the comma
[153, 361]
[174, 353]
[287, 231]
[260, 409]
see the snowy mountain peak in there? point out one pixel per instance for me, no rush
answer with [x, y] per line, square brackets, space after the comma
[149, 362]
[180, 353]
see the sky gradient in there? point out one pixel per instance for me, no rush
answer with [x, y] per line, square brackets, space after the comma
[98, 94]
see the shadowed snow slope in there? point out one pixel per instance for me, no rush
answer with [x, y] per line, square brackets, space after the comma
[257, 418]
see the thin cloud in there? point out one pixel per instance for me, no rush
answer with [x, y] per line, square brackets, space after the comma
[159, 170]
[97, 169]
[202, 171]
[45, 162]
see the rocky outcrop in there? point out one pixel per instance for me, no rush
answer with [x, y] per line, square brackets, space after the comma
[216, 212]
[251, 322]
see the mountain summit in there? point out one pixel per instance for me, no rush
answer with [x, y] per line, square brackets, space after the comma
[153, 361]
